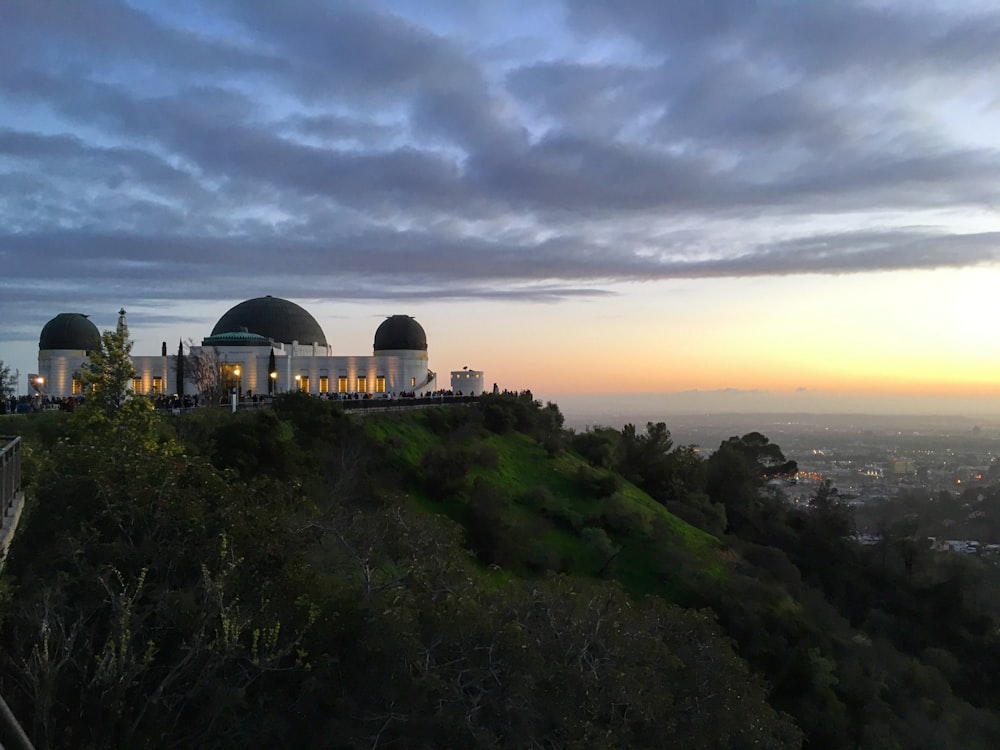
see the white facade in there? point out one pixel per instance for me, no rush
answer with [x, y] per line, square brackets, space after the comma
[381, 373]
[468, 382]
[60, 370]
[243, 359]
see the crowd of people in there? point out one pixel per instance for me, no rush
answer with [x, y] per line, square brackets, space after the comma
[33, 403]
[26, 404]
[387, 396]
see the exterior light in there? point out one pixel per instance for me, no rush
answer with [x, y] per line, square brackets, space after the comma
[274, 376]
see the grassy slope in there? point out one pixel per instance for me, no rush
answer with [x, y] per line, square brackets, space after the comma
[660, 553]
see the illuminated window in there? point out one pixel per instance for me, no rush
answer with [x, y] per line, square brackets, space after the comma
[380, 384]
[304, 384]
[77, 387]
[413, 382]
[342, 384]
[157, 384]
[137, 385]
[324, 384]
[362, 384]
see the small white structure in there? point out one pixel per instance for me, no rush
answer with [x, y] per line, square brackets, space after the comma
[467, 382]
[63, 350]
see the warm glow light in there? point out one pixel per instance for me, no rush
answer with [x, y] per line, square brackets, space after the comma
[236, 372]
[274, 376]
[791, 340]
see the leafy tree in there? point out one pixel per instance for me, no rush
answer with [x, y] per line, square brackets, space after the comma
[110, 410]
[502, 413]
[155, 613]
[548, 428]
[643, 458]
[259, 444]
[107, 376]
[737, 472]
[832, 518]
[764, 457]
[445, 470]
[597, 445]
[595, 483]
[8, 383]
[687, 472]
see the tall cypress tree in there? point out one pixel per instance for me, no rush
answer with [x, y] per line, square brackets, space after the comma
[180, 369]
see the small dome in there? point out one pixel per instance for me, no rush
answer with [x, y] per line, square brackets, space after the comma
[400, 332]
[273, 318]
[70, 331]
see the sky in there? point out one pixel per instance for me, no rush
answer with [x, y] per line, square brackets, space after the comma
[739, 204]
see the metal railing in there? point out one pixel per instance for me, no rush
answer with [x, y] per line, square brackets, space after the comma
[353, 405]
[10, 487]
[11, 496]
[12, 736]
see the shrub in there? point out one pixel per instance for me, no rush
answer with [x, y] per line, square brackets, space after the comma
[485, 456]
[600, 548]
[444, 470]
[597, 484]
[489, 525]
[774, 562]
[538, 496]
[596, 446]
[618, 517]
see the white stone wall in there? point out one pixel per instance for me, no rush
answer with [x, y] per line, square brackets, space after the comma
[403, 370]
[146, 368]
[58, 366]
[469, 382]
[406, 370]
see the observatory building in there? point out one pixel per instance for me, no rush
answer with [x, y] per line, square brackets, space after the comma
[262, 345]
[63, 349]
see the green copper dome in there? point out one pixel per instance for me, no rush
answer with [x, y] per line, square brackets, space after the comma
[237, 338]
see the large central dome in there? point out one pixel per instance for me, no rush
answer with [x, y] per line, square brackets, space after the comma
[274, 318]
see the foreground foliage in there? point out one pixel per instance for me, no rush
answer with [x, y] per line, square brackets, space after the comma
[169, 592]
[468, 577]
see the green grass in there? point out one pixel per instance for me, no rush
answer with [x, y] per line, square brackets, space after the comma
[676, 561]
[404, 434]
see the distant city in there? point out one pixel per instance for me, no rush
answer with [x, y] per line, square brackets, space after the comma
[944, 464]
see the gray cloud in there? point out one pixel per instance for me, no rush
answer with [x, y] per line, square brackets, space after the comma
[377, 155]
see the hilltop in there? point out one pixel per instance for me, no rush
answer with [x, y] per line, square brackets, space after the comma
[474, 576]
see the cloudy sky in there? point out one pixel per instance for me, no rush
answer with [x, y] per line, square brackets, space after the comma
[784, 197]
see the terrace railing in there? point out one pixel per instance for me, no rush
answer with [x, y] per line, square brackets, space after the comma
[11, 494]
[12, 736]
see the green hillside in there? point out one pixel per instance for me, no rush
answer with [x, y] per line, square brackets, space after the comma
[547, 512]
[473, 576]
